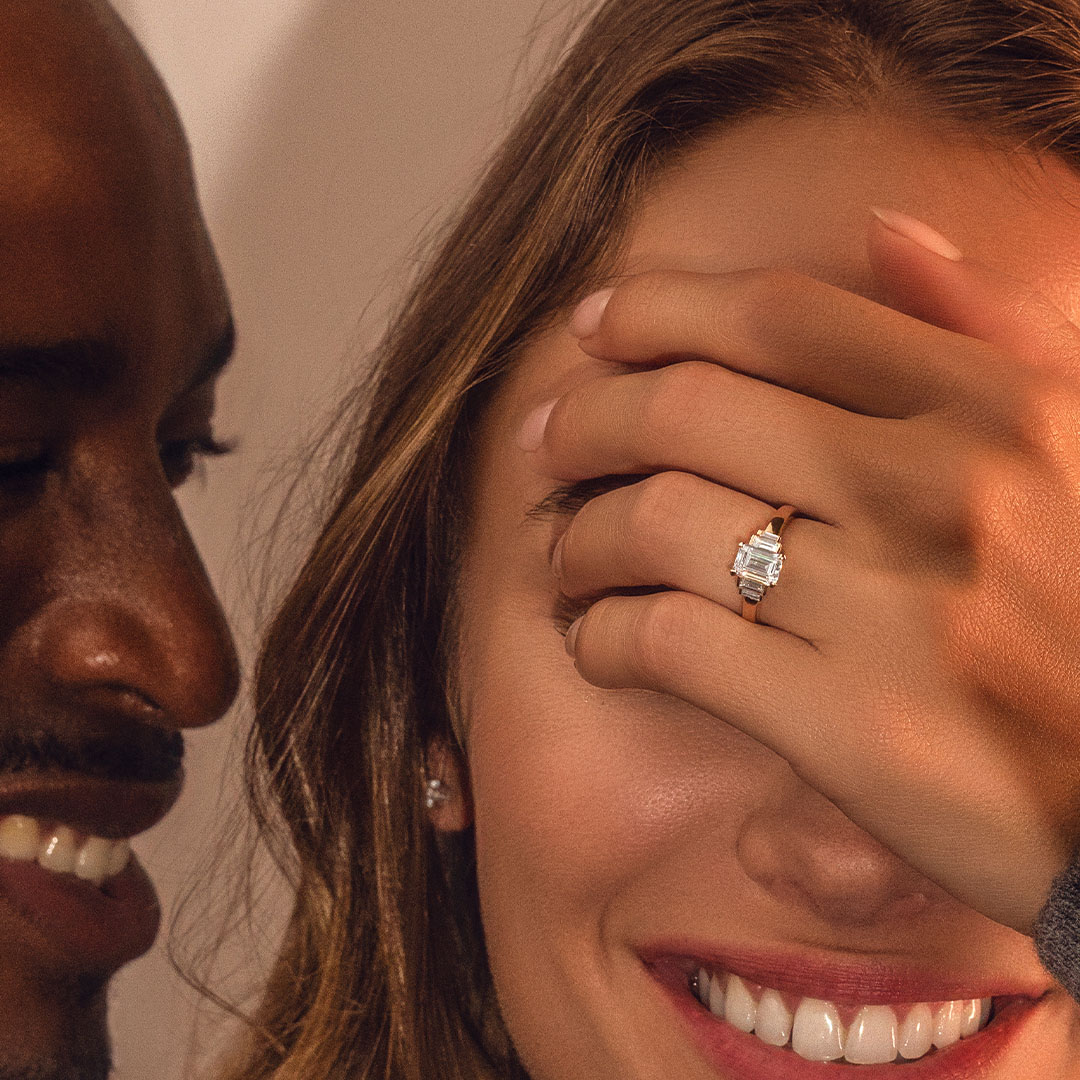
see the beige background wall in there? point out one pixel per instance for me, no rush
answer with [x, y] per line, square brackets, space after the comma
[326, 135]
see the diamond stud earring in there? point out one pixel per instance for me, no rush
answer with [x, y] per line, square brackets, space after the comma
[435, 793]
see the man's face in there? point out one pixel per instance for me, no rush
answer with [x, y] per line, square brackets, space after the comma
[113, 325]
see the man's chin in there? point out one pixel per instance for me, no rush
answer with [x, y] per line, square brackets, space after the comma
[58, 1032]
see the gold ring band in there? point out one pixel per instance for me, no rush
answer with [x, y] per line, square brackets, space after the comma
[758, 562]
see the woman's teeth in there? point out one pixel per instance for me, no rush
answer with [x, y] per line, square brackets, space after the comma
[873, 1035]
[61, 849]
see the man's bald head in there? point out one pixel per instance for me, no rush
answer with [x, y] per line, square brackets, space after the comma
[72, 75]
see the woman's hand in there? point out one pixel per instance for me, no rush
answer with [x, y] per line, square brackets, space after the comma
[919, 662]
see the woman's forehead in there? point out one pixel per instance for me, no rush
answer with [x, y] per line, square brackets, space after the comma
[795, 190]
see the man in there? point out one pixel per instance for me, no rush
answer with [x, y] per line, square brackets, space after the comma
[114, 324]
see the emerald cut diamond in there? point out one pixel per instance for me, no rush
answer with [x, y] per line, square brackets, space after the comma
[757, 564]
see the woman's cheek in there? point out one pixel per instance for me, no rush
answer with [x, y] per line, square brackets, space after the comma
[566, 779]
[580, 795]
[569, 812]
[580, 792]
[593, 810]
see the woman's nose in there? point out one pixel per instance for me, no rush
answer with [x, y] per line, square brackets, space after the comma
[806, 853]
[132, 623]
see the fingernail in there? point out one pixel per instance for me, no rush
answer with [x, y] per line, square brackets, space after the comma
[531, 434]
[919, 231]
[571, 637]
[590, 311]
[556, 556]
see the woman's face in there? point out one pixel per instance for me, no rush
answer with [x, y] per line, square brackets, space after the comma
[612, 825]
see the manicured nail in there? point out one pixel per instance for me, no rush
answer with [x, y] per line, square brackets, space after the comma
[571, 637]
[531, 434]
[919, 231]
[556, 556]
[590, 311]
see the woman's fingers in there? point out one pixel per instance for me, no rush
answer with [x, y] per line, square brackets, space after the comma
[897, 671]
[675, 643]
[967, 297]
[750, 436]
[678, 531]
[786, 328]
[911, 769]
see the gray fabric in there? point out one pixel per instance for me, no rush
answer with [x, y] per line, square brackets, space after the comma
[1057, 930]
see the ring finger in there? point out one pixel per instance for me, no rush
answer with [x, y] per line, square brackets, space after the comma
[773, 444]
[677, 530]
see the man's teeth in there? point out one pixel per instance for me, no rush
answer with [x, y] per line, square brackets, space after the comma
[813, 1029]
[61, 849]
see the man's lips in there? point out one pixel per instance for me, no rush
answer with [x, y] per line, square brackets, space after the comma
[76, 926]
[101, 807]
[69, 921]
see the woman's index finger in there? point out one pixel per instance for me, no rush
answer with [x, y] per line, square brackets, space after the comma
[785, 328]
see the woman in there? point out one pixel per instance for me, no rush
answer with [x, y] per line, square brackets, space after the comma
[723, 837]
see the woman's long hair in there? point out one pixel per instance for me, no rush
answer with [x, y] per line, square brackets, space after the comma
[383, 974]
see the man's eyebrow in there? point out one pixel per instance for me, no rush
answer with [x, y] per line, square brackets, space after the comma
[567, 500]
[82, 364]
[88, 365]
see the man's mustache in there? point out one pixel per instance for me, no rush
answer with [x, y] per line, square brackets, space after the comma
[148, 754]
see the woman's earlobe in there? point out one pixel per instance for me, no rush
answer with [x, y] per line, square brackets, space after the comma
[446, 794]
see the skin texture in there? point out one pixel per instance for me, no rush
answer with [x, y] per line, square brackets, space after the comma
[108, 624]
[879, 792]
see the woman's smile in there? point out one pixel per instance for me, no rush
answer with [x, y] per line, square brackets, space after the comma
[841, 1011]
[929, 1040]
[820, 1030]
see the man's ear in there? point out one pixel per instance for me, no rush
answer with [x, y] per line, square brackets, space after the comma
[447, 793]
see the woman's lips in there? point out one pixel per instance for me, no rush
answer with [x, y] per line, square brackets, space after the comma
[841, 979]
[736, 1054]
[849, 985]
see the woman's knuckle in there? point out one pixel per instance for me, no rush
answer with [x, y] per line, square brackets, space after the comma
[669, 396]
[685, 383]
[643, 516]
[650, 287]
[953, 622]
[640, 301]
[1005, 505]
[756, 295]
[770, 285]
[766, 290]
[653, 503]
[658, 625]
[1048, 417]
[984, 488]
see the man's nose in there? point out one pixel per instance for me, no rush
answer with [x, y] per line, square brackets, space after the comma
[132, 622]
[806, 853]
